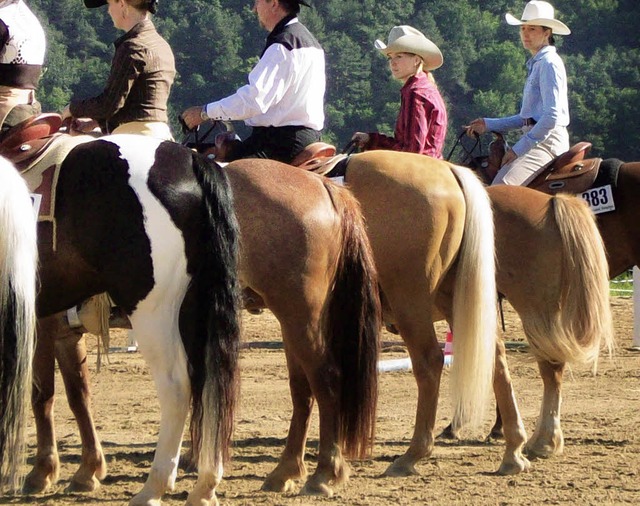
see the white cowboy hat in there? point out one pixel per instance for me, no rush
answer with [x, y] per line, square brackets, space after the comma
[406, 39]
[539, 13]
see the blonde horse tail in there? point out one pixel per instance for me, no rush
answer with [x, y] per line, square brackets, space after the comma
[474, 323]
[18, 263]
[581, 323]
[351, 325]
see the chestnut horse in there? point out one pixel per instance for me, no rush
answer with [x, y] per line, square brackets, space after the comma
[303, 254]
[621, 239]
[18, 258]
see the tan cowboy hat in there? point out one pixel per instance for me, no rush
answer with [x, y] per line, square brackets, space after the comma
[539, 13]
[406, 39]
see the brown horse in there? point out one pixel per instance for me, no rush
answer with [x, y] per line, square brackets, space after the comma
[622, 244]
[303, 254]
[18, 258]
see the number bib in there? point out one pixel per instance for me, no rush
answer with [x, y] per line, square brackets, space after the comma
[600, 199]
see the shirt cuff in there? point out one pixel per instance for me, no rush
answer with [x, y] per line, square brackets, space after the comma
[204, 116]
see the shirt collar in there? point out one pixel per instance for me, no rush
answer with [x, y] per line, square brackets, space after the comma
[143, 26]
[540, 54]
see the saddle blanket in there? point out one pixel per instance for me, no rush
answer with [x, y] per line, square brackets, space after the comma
[42, 175]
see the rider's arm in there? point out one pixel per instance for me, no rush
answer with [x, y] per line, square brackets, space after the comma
[126, 67]
[268, 81]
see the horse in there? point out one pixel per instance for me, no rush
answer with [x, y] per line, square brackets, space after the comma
[18, 262]
[576, 321]
[302, 253]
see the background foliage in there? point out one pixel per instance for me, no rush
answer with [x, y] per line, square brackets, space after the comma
[216, 42]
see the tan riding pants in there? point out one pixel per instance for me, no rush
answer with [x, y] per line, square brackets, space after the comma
[525, 168]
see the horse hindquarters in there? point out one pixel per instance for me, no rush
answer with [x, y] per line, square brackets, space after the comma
[18, 258]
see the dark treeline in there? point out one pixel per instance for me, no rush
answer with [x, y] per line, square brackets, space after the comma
[216, 42]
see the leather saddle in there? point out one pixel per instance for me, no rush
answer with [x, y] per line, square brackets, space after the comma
[318, 157]
[26, 141]
[569, 172]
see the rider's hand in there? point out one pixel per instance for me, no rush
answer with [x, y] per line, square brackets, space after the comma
[84, 126]
[509, 156]
[66, 113]
[476, 127]
[360, 139]
[193, 116]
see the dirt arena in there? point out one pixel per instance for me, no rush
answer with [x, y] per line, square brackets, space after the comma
[601, 421]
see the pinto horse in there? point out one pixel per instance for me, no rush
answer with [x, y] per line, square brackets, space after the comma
[303, 253]
[18, 259]
[153, 225]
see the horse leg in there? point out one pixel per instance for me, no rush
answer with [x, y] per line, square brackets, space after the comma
[513, 461]
[165, 356]
[291, 465]
[71, 354]
[46, 467]
[332, 468]
[547, 439]
[427, 362]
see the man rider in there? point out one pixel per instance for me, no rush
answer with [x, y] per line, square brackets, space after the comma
[283, 101]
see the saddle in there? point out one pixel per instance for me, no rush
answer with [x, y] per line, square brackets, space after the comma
[569, 172]
[318, 157]
[26, 141]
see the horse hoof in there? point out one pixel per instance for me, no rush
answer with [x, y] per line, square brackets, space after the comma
[43, 475]
[517, 466]
[400, 470]
[542, 451]
[36, 485]
[278, 485]
[84, 485]
[316, 489]
[448, 434]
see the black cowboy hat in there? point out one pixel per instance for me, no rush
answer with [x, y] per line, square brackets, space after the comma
[92, 4]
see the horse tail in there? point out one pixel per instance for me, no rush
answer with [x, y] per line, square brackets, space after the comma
[213, 360]
[474, 315]
[582, 320]
[351, 324]
[18, 263]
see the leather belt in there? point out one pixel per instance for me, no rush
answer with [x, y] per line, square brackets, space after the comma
[529, 122]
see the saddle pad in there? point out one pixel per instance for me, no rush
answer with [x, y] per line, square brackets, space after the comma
[42, 175]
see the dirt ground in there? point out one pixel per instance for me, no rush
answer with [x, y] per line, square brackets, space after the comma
[600, 465]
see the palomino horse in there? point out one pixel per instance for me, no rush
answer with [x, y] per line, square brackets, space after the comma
[18, 258]
[303, 254]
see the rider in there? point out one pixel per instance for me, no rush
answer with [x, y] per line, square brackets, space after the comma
[142, 72]
[22, 51]
[284, 99]
[422, 123]
[544, 113]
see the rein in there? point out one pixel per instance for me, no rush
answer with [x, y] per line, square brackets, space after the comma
[468, 152]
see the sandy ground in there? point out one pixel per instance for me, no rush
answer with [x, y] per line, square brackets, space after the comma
[600, 465]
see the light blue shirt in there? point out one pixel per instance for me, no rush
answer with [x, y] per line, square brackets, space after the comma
[545, 99]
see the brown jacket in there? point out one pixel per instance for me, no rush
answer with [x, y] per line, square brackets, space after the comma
[142, 72]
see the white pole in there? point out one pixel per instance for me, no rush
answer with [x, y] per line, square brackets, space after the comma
[398, 364]
[636, 308]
